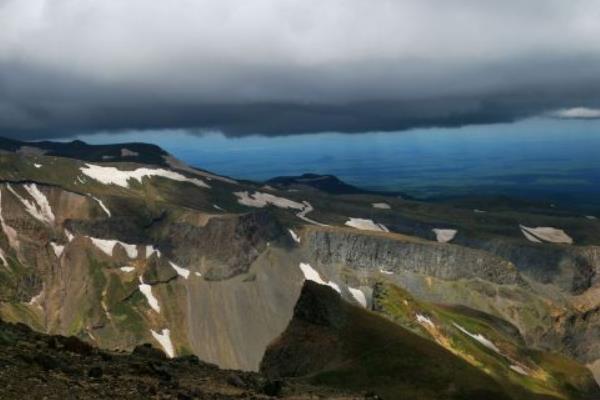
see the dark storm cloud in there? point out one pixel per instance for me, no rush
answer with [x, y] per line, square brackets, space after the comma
[281, 67]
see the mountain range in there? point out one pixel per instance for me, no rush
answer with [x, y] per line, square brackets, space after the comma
[303, 285]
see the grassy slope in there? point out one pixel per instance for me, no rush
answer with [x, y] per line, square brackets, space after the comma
[349, 347]
[548, 374]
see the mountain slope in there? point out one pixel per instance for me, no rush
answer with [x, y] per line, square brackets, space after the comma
[119, 252]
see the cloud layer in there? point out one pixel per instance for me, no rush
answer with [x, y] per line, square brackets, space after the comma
[289, 66]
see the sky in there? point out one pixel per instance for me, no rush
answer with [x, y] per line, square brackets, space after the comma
[279, 67]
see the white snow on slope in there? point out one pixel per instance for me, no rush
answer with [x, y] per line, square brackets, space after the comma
[107, 246]
[69, 235]
[519, 369]
[39, 208]
[115, 176]
[381, 206]
[147, 291]
[3, 258]
[546, 234]
[386, 272]
[102, 205]
[444, 235]
[480, 338]
[366, 225]
[180, 165]
[198, 274]
[151, 250]
[590, 217]
[530, 237]
[423, 320]
[127, 269]
[312, 275]
[294, 236]
[358, 295]
[216, 207]
[10, 233]
[37, 165]
[185, 273]
[58, 249]
[260, 199]
[164, 339]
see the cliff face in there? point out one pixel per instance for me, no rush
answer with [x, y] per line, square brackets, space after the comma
[572, 269]
[375, 253]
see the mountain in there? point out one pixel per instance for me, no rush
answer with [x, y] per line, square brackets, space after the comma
[121, 245]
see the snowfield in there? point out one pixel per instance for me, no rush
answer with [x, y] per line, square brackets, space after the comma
[107, 246]
[423, 320]
[381, 206]
[294, 236]
[479, 337]
[311, 274]
[9, 232]
[185, 273]
[358, 295]
[127, 269]
[545, 234]
[39, 208]
[444, 235]
[261, 199]
[147, 292]
[366, 225]
[58, 249]
[115, 176]
[103, 206]
[164, 339]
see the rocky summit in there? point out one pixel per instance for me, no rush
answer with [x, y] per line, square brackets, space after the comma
[125, 273]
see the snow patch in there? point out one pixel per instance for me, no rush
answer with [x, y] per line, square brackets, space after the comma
[151, 250]
[545, 234]
[198, 274]
[260, 199]
[444, 235]
[39, 208]
[358, 295]
[216, 207]
[147, 291]
[107, 246]
[381, 206]
[366, 225]
[591, 217]
[185, 273]
[423, 320]
[37, 165]
[518, 369]
[479, 211]
[312, 275]
[102, 205]
[58, 249]
[294, 236]
[3, 258]
[69, 235]
[127, 269]
[115, 176]
[164, 339]
[386, 272]
[10, 233]
[479, 337]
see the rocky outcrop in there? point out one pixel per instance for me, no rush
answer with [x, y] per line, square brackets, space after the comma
[574, 269]
[445, 261]
[227, 245]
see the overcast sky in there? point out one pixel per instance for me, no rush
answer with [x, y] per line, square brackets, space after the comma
[287, 66]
